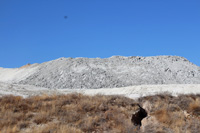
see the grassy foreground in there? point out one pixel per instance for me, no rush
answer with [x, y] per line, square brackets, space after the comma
[77, 113]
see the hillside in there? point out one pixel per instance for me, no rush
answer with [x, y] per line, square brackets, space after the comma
[99, 114]
[116, 71]
[167, 87]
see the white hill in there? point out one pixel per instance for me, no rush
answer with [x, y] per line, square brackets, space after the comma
[113, 72]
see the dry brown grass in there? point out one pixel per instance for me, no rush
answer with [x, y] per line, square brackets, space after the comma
[79, 113]
[194, 108]
[173, 114]
[65, 113]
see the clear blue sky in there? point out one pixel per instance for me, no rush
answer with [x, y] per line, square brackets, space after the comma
[35, 31]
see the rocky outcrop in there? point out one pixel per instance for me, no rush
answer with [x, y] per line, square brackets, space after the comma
[138, 115]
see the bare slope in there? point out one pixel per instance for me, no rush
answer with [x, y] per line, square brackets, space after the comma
[116, 71]
[133, 92]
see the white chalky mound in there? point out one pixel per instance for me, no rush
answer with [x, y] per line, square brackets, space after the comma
[113, 72]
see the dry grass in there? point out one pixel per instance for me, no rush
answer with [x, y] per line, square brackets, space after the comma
[194, 107]
[65, 113]
[78, 113]
[173, 114]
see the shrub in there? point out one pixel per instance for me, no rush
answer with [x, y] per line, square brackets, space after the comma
[80, 113]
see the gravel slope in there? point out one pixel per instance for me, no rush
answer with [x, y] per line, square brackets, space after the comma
[116, 71]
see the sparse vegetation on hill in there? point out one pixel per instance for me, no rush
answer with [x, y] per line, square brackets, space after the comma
[172, 114]
[79, 113]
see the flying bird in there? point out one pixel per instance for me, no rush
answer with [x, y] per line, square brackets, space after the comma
[65, 17]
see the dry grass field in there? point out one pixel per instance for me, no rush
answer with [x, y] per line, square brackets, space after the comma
[77, 113]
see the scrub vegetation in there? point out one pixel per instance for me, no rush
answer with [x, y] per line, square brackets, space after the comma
[79, 113]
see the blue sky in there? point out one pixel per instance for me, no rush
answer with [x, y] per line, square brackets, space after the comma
[35, 31]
